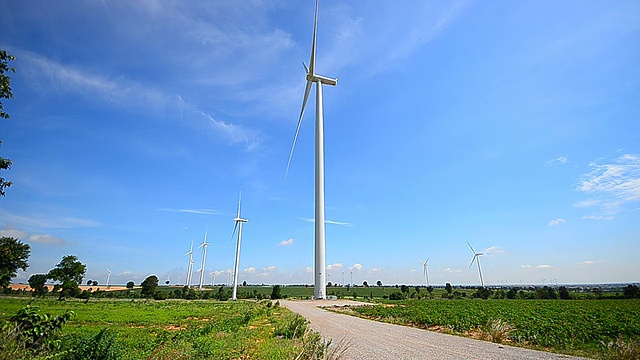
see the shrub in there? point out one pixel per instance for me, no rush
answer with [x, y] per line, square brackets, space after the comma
[98, 347]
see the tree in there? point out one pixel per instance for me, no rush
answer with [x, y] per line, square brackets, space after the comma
[5, 93]
[563, 292]
[244, 283]
[37, 281]
[149, 285]
[404, 288]
[379, 283]
[13, 256]
[130, 285]
[94, 283]
[275, 292]
[365, 284]
[448, 288]
[69, 272]
[430, 289]
[631, 292]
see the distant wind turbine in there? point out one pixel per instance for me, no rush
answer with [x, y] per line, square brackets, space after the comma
[204, 247]
[190, 268]
[476, 258]
[312, 77]
[108, 278]
[239, 221]
[425, 271]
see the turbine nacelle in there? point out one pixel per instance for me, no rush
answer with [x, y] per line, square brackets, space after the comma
[322, 79]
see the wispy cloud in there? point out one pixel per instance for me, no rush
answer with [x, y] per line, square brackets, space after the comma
[556, 222]
[560, 160]
[375, 270]
[50, 75]
[612, 185]
[64, 222]
[250, 270]
[527, 266]
[452, 271]
[332, 222]
[356, 266]
[287, 242]
[335, 266]
[47, 239]
[589, 262]
[195, 211]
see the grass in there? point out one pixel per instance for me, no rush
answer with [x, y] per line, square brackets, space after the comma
[179, 329]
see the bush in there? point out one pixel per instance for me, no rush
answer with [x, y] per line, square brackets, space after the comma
[98, 347]
[293, 329]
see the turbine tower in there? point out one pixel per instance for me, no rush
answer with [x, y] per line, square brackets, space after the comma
[190, 268]
[476, 258]
[313, 78]
[204, 246]
[108, 278]
[237, 226]
[425, 271]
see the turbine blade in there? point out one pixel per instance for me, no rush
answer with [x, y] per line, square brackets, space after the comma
[471, 247]
[472, 260]
[312, 62]
[234, 230]
[295, 137]
[306, 69]
[239, 202]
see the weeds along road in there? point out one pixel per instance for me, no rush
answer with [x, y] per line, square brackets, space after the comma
[367, 339]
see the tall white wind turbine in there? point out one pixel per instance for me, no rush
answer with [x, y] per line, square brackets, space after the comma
[319, 80]
[476, 258]
[190, 268]
[425, 271]
[204, 247]
[238, 226]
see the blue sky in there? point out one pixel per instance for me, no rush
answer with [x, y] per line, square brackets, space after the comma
[512, 125]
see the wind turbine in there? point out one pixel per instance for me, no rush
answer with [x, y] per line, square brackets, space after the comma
[108, 278]
[204, 247]
[476, 258]
[190, 268]
[237, 226]
[425, 271]
[319, 80]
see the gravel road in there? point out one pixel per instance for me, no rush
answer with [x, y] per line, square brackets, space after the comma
[367, 339]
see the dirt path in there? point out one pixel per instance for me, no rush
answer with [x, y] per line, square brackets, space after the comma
[367, 339]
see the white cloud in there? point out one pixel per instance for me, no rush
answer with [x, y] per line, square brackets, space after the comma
[452, 271]
[250, 270]
[493, 250]
[612, 185]
[526, 266]
[17, 234]
[334, 266]
[308, 269]
[544, 266]
[269, 269]
[556, 222]
[597, 217]
[287, 242]
[589, 262]
[376, 270]
[562, 159]
[46, 239]
[356, 266]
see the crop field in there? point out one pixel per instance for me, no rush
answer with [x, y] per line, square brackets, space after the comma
[177, 329]
[580, 327]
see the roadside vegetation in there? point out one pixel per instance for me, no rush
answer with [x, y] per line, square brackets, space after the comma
[149, 329]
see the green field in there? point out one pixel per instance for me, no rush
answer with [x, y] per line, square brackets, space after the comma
[594, 328]
[177, 329]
